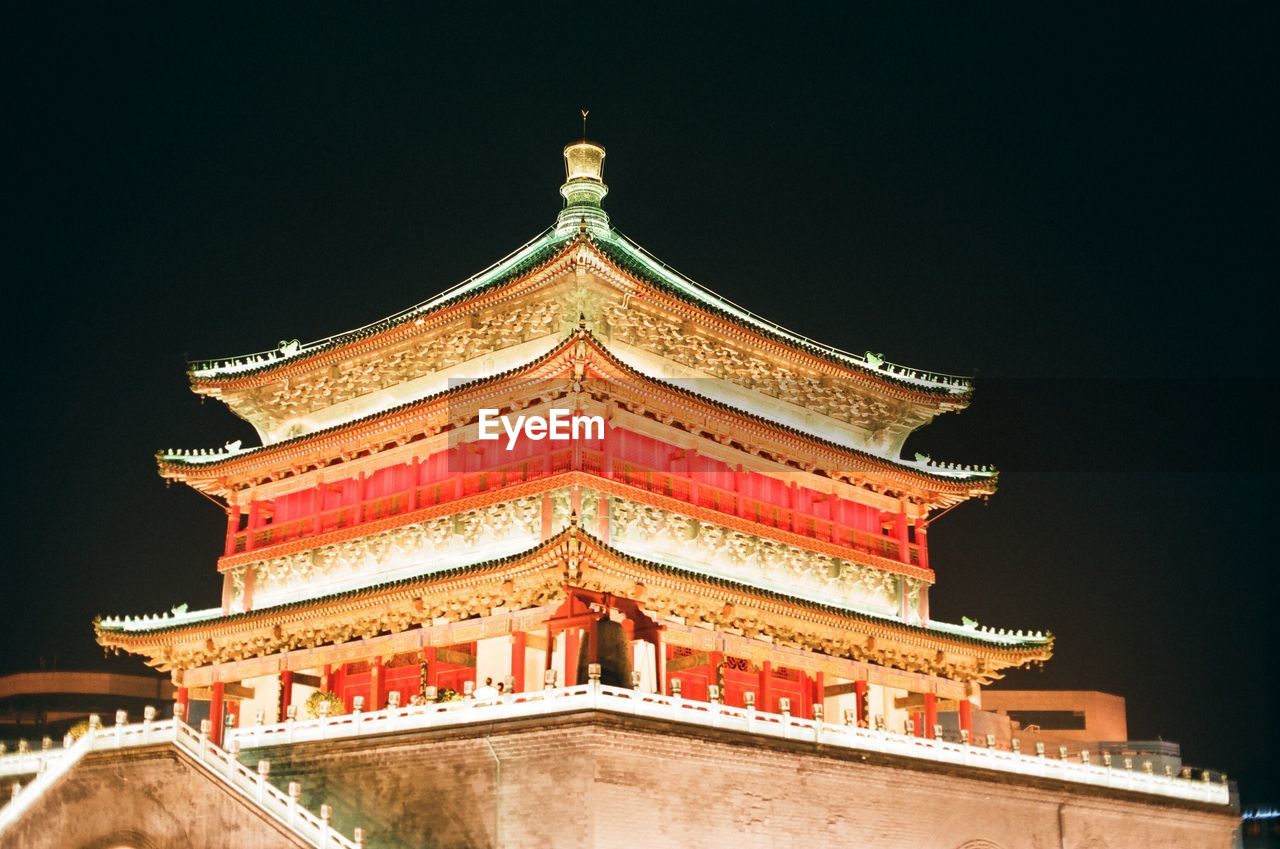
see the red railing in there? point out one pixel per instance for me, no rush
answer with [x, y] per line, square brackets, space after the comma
[760, 511]
[678, 485]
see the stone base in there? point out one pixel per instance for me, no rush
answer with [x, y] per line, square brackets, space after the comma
[151, 798]
[602, 780]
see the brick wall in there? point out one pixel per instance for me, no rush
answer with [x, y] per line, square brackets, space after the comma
[142, 799]
[604, 781]
[600, 780]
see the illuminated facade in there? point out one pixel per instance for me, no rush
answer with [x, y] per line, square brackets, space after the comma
[747, 501]
[742, 547]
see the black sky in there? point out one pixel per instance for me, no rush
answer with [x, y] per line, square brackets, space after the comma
[1075, 204]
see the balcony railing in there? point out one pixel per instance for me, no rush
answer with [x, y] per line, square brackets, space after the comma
[594, 696]
[681, 486]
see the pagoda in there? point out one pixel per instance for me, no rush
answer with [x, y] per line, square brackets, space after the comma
[733, 524]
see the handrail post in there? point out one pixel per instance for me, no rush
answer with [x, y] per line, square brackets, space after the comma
[295, 793]
[326, 813]
[593, 678]
[264, 768]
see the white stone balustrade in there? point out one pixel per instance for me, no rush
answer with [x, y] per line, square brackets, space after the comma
[593, 696]
[217, 762]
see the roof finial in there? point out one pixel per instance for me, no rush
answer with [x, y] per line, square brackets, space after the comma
[584, 187]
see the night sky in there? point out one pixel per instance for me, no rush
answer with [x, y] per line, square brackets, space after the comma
[1077, 206]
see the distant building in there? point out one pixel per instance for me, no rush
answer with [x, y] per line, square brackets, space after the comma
[1077, 716]
[1261, 829]
[1079, 721]
[39, 704]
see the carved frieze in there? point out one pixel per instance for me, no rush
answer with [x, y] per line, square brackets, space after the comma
[651, 532]
[377, 556]
[277, 402]
[688, 345]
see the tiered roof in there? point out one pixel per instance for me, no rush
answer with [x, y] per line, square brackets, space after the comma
[386, 386]
[541, 251]
[535, 576]
[261, 388]
[221, 471]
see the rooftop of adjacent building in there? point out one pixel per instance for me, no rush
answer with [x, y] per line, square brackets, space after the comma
[43, 702]
[1070, 714]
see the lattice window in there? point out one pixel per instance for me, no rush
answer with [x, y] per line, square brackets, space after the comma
[739, 663]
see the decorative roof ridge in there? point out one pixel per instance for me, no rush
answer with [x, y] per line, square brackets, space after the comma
[118, 624]
[233, 450]
[630, 257]
[923, 465]
[527, 258]
[963, 633]
[685, 288]
[572, 537]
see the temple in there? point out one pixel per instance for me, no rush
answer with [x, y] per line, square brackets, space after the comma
[731, 542]
[744, 516]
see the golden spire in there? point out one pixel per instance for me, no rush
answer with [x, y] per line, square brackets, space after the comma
[584, 186]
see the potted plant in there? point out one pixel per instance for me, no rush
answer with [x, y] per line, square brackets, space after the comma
[335, 705]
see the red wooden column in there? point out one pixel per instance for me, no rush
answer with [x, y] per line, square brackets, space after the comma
[317, 505]
[457, 468]
[917, 718]
[551, 651]
[429, 658]
[216, 708]
[286, 693]
[415, 475]
[326, 679]
[930, 714]
[966, 716]
[661, 653]
[819, 693]
[922, 544]
[860, 704]
[233, 527]
[548, 515]
[602, 518]
[250, 581]
[570, 657]
[715, 658]
[766, 676]
[606, 450]
[904, 550]
[375, 683]
[360, 492]
[255, 514]
[690, 469]
[517, 661]
[575, 446]
[593, 642]
[184, 699]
